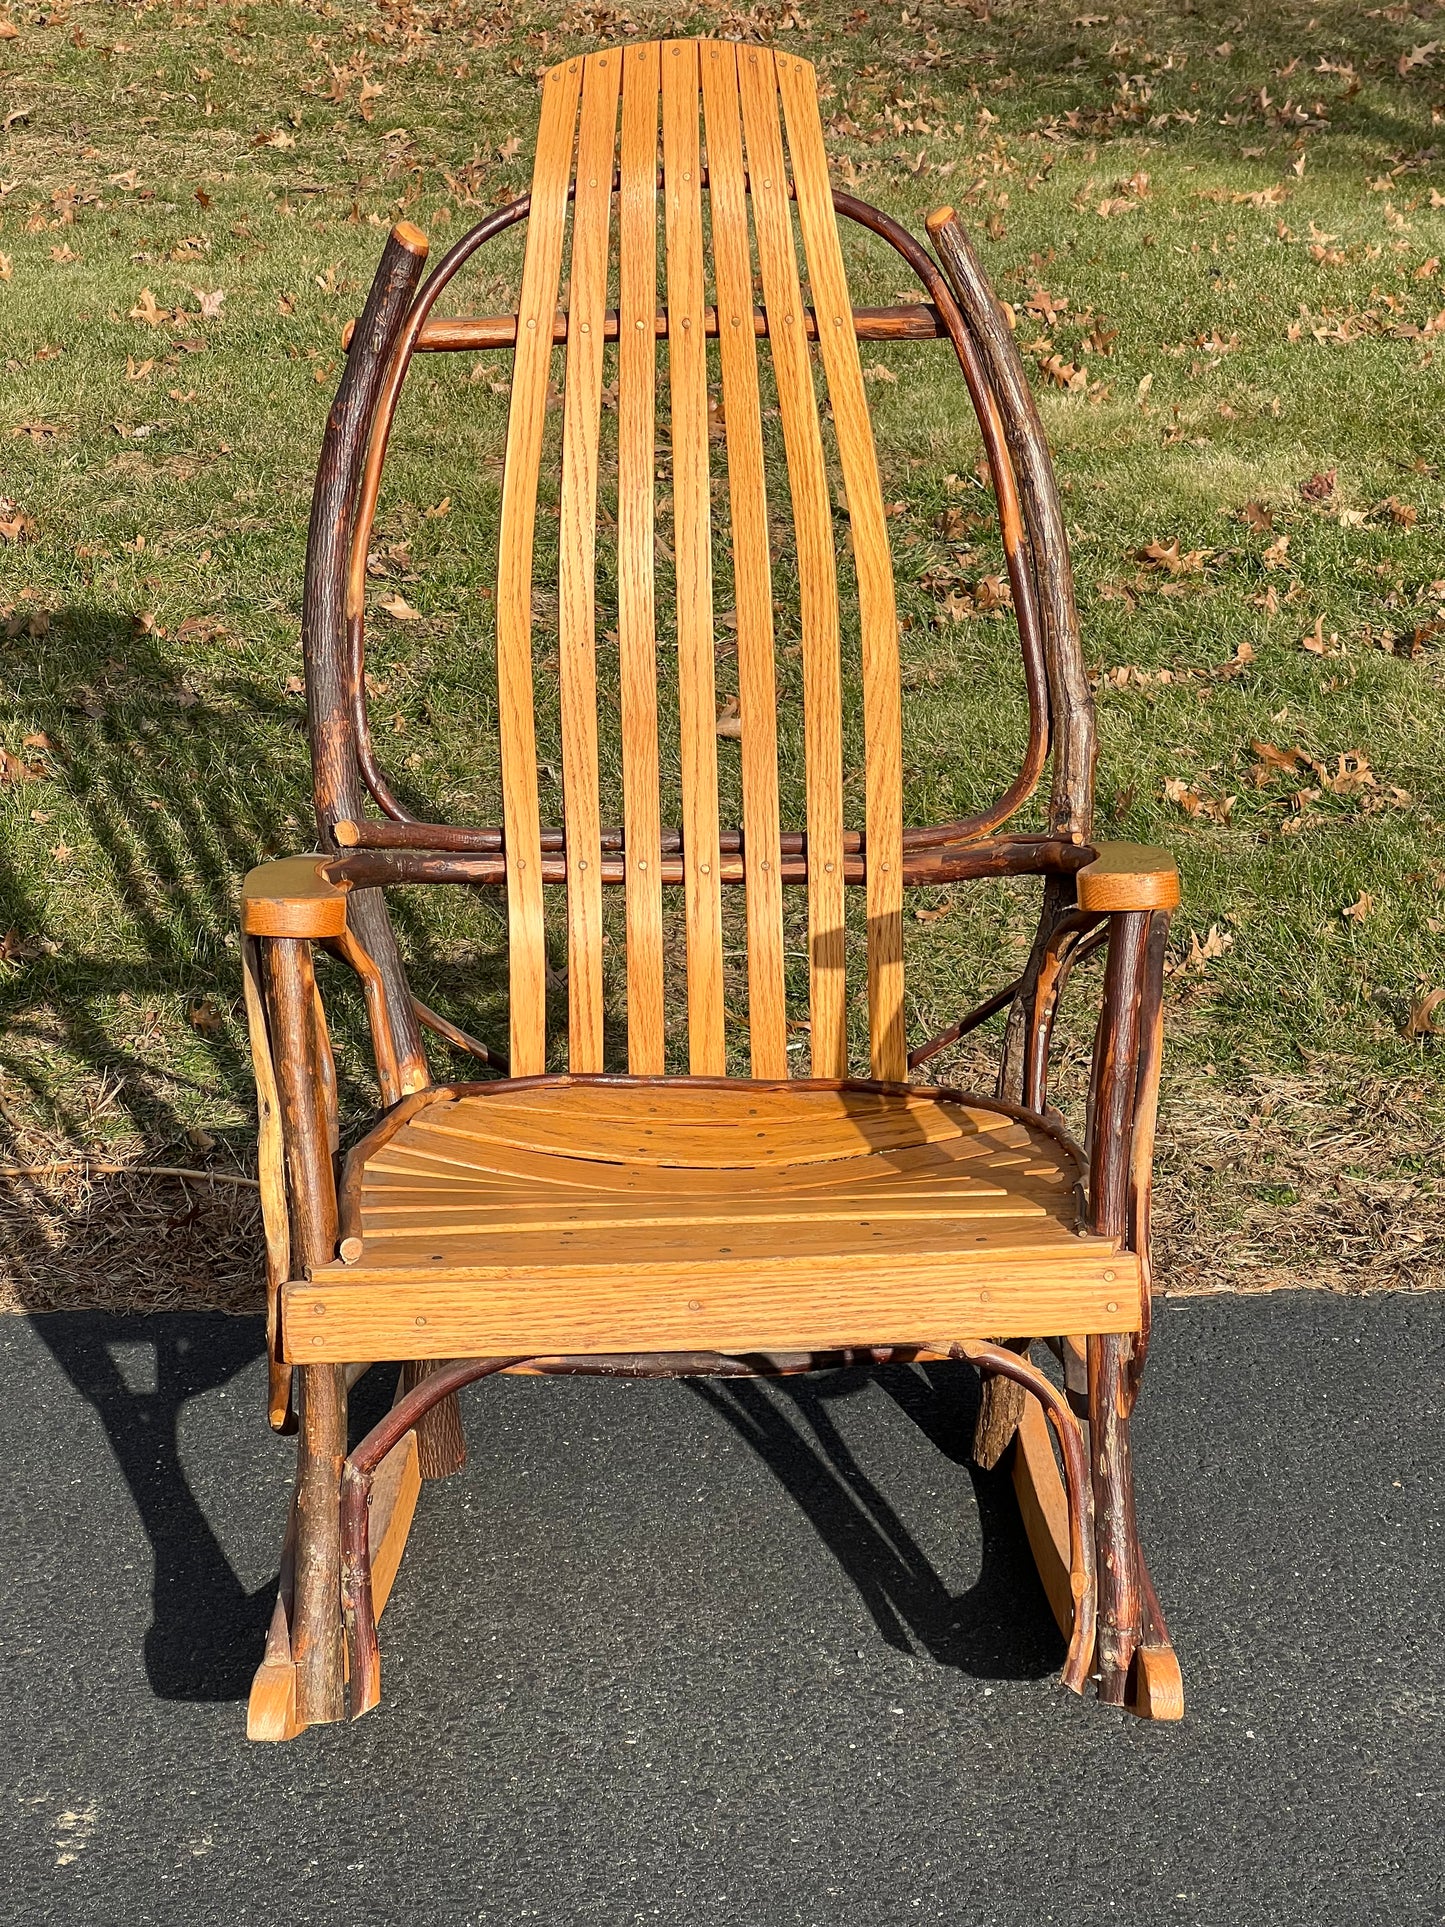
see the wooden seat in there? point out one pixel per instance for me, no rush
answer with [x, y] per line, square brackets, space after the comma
[589, 1215]
[706, 1147]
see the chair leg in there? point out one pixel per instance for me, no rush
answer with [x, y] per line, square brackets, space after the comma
[1135, 1661]
[316, 1634]
[1116, 1540]
[439, 1434]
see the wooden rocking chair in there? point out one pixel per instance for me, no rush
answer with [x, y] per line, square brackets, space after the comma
[647, 1223]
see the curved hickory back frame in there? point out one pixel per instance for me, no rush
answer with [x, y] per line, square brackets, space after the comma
[747, 102]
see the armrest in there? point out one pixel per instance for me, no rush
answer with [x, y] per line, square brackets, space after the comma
[293, 897]
[1129, 876]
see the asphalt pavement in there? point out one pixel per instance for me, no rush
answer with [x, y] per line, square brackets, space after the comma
[741, 1654]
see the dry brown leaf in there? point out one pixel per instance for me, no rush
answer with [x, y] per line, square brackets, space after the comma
[1352, 773]
[1361, 908]
[1421, 1020]
[203, 1014]
[1202, 952]
[1318, 487]
[1275, 762]
[400, 609]
[932, 916]
[1217, 808]
[1166, 557]
[729, 722]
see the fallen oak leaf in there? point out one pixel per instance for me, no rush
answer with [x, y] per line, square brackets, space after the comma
[1166, 556]
[400, 609]
[148, 310]
[1318, 487]
[1361, 908]
[729, 722]
[1317, 644]
[1275, 762]
[1421, 1019]
[1217, 809]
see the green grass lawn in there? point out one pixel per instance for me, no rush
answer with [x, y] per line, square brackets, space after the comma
[1221, 233]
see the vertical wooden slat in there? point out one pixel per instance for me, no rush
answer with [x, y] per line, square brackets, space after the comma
[882, 698]
[757, 692]
[697, 711]
[577, 557]
[813, 525]
[636, 617]
[531, 370]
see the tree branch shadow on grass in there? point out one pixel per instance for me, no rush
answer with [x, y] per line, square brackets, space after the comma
[182, 782]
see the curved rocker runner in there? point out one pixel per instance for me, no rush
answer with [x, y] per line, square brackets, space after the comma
[653, 1210]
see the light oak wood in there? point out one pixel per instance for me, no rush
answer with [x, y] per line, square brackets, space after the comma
[873, 563]
[636, 609]
[817, 574]
[752, 572]
[666, 1232]
[292, 897]
[271, 1175]
[904, 321]
[692, 531]
[810, 1303]
[531, 373]
[577, 557]
[1129, 876]
[1156, 1685]
[395, 1488]
[1039, 1488]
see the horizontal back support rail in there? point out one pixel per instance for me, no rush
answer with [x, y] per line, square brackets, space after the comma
[917, 321]
[944, 863]
[464, 839]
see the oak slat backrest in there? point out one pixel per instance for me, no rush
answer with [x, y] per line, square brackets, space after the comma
[531, 372]
[577, 559]
[692, 538]
[882, 687]
[636, 607]
[752, 567]
[764, 155]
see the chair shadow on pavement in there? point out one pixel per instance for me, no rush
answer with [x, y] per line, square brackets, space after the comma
[1000, 1628]
[140, 1372]
[206, 1629]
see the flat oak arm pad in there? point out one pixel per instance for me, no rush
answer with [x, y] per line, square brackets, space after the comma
[1129, 876]
[292, 896]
